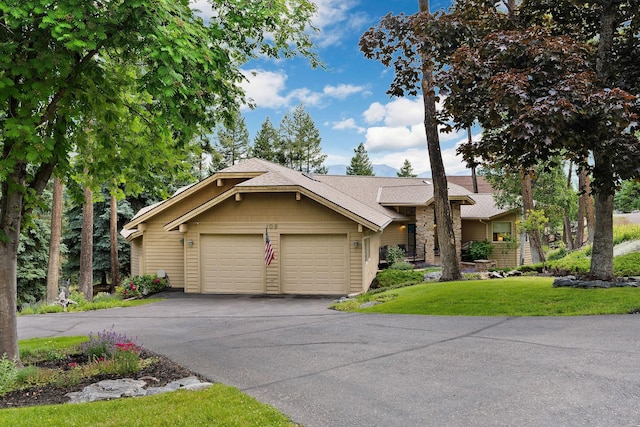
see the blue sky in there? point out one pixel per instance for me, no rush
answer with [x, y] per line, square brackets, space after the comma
[348, 99]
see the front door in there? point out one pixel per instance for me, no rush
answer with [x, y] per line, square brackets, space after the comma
[411, 240]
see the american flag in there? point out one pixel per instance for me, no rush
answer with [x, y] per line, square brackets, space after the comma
[268, 249]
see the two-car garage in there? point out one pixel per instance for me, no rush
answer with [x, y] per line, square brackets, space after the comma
[305, 263]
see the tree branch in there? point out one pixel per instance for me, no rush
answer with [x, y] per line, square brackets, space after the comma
[51, 108]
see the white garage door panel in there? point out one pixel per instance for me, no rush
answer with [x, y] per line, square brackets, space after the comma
[232, 263]
[314, 264]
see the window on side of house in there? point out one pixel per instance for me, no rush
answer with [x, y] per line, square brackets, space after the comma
[501, 231]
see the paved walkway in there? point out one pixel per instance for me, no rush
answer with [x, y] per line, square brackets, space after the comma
[324, 368]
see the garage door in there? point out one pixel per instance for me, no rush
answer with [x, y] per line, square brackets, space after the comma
[232, 263]
[314, 264]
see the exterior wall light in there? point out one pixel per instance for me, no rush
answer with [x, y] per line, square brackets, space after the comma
[355, 244]
[190, 243]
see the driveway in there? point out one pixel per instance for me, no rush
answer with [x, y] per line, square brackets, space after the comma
[325, 368]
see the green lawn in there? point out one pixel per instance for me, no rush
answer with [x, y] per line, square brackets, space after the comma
[219, 405]
[519, 296]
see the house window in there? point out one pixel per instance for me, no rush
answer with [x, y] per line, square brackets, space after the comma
[501, 231]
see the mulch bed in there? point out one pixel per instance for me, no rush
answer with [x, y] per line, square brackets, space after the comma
[164, 370]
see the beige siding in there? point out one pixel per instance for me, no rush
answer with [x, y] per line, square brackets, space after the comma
[371, 264]
[232, 263]
[314, 264]
[474, 230]
[164, 251]
[136, 254]
[506, 254]
[283, 215]
[394, 234]
[193, 201]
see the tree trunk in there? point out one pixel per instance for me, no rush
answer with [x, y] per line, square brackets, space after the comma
[54, 242]
[583, 199]
[11, 207]
[602, 253]
[535, 240]
[444, 218]
[113, 234]
[567, 235]
[474, 178]
[85, 281]
[589, 212]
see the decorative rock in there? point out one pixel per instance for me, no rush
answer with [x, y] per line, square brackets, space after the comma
[369, 304]
[573, 282]
[434, 275]
[127, 387]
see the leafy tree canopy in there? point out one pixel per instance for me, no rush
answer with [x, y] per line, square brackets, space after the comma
[63, 64]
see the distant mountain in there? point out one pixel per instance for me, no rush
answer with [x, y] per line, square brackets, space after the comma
[378, 170]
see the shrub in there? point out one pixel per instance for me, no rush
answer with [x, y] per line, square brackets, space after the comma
[392, 277]
[480, 250]
[137, 286]
[627, 265]
[8, 375]
[401, 266]
[105, 345]
[556, 254]
[394, 255]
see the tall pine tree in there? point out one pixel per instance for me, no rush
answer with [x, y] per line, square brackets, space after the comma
[360, 163]
[300, 142]
[406, 171]
[266, 142]
[233, 141]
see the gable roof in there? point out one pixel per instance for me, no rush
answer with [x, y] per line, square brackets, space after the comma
[281, 179]
[384, 192]
[485, 208]
[368, 200]
[466, 181]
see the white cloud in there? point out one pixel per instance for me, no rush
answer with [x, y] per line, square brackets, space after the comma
[387, 138]
[342, 90]
[346, 125]
[419, 158]
[268, 89]
[375, 113]
[335, 19]
[399, 112]
[264, 88]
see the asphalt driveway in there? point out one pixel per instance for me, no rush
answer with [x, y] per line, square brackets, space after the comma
[324, 368]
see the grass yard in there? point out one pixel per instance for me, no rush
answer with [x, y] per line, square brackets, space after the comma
[218, 405]
[518, 296]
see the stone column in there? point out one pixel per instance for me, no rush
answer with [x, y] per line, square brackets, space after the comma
[457, 228]
[425, 231]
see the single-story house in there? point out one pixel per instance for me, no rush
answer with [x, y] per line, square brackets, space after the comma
[326, 232]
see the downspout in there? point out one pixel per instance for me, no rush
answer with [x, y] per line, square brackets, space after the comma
[364, 263]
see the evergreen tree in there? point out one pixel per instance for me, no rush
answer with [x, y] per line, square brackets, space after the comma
[627, 199]
[101, 247]
[233, 141]
[266, 142]
[300, 142]
[406, 170]
[33, 253]
[360, 163]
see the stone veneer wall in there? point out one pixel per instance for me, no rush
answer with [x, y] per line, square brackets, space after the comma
[425, 218]
[425, 232]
